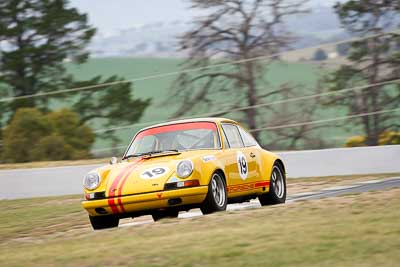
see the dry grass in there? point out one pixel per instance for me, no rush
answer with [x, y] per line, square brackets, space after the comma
[355, 230]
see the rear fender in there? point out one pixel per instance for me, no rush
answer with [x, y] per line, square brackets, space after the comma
[268, 161]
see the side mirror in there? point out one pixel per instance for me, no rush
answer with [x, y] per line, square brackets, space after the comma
[113, 160]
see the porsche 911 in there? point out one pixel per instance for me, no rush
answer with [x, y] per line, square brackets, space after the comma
[176, 166]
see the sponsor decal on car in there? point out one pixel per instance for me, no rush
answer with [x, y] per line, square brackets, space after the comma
[208, 158]
[247, 186]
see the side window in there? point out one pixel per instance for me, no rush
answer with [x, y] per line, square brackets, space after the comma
[226, 141]
[248, 140]
[232, 135]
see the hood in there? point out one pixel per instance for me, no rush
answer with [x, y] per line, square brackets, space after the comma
[140, 175]
[143, 175]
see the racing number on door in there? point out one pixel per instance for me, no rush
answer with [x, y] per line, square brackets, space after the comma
[154, 172]
[242, 165]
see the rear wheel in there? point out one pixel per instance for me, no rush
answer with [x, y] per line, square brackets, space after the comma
[161, 214]
[216, 199]
[277, 187]
[103, 222]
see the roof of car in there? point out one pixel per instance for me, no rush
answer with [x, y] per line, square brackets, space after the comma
[216, 120]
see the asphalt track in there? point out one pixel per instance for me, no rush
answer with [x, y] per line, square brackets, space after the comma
[57, 181]
[359, 187]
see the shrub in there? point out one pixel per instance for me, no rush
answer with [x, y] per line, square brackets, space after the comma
[385, 138]
[389, 138]
[355, 141]
[34, 136]
[52, 147]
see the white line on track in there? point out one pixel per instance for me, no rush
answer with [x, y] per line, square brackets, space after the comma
[340, 187]
[370, 182]
[304, 194]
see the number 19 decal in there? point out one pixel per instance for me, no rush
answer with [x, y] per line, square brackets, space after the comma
[155, 172]
[242, 165]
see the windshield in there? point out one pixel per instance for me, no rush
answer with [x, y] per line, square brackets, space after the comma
[182, 136]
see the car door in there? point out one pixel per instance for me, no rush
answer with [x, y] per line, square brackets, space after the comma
[240, 166]
[253, 151]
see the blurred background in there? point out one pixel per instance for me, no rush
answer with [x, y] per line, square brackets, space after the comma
[78, 79]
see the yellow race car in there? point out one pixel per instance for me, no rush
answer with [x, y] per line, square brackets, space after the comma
[180, 165]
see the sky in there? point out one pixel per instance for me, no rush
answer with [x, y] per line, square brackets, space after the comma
[112, 16]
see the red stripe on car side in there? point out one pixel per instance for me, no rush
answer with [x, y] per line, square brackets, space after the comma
[261, 184]
[246, 186]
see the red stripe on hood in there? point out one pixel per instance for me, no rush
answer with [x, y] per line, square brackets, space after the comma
[111, 192]
[123, 183]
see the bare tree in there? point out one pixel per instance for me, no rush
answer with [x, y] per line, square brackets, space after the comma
[372, 61]
[294, 112]
[233, 30]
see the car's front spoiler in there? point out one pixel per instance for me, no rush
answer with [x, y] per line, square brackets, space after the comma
[146, 201]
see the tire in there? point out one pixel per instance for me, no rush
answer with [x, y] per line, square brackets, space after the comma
[277, 187]
[216, 199]
[158, 215]
[103, 222]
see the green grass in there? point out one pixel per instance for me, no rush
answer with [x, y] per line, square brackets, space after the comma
[159, 89]
[356, 230]
[29, 218]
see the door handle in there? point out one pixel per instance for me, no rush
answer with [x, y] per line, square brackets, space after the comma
[252, 155]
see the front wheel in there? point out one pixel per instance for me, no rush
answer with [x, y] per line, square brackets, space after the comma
[103, 222]
[277, 187]
[216, 199]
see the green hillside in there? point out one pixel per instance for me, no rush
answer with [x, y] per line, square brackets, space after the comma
[158, 89]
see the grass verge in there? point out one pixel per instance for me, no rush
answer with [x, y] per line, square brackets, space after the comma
[301, 185]
[355, 230]
[49, 164]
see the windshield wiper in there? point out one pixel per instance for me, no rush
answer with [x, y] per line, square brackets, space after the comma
[150, 153]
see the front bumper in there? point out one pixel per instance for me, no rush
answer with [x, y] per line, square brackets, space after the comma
[146, 201]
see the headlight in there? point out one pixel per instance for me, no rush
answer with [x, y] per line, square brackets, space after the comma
[184, 168]
[91, 180]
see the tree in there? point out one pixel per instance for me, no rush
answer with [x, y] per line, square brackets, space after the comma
[3, 109]
[34, 136]
[306, 136]
[233, 30]
[37, 36]
[342, 49]
[111, 106]
[320, 55]
[373, 60]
